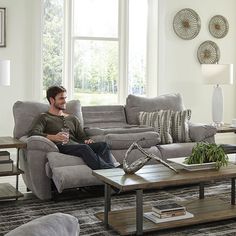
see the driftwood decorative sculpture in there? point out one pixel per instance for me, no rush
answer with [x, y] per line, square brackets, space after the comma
[138, 164]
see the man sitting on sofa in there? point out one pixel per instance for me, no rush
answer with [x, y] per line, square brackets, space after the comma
[51, 124]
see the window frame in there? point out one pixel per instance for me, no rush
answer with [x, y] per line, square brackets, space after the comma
[122, 45]
[152, 74]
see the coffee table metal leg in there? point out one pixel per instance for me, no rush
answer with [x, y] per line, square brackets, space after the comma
[17, 176]
[201, 191]
[107, 204]
[139, 212]
[233, 191]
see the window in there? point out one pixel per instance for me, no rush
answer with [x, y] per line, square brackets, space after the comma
[137, 47]
[96, 51]
[52, 42]
[105, 48]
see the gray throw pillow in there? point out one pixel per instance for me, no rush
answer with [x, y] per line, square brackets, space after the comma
[180, 126]
[136, 104]
[161, 121]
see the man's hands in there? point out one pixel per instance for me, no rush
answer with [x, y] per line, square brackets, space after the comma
[88, 141]
[61, 137]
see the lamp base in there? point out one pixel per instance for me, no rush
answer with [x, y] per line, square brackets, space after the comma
[217, 106]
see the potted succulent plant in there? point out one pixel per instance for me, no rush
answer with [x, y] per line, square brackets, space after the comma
[206, 153]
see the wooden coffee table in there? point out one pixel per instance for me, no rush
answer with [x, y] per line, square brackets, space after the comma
[130, 221]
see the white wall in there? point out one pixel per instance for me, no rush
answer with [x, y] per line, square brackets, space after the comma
[180, 70]
[20, 50]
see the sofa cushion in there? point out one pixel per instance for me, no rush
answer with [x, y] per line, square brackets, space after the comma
[57, 224]
[176, 150]
[118, 130]
[161, 121]
[25, 112]
[123, 141]
[74, 107]
[136, 104]
[104, 116]
[180, 126]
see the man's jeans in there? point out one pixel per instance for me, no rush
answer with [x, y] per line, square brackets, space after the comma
[95, 155]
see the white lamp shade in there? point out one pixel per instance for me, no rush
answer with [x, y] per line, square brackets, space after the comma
[217, 73]
[5, 72]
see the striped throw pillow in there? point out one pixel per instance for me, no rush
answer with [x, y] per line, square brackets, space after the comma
[161, 121]
[179, 126]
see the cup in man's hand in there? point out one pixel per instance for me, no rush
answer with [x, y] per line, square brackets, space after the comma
[66, 133]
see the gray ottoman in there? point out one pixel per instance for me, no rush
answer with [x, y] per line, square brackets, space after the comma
[57, 224]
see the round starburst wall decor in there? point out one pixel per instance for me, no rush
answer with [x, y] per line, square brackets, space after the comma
[208, 53]
[218, 26]
[187, 24]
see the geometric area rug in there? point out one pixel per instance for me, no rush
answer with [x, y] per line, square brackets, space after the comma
[16, 213]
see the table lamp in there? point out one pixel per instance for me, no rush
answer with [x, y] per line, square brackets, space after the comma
[5, 72]
[217, 74]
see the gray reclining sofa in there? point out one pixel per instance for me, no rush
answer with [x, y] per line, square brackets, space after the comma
[117, 125]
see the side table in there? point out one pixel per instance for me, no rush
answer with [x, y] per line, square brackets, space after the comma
[7, 191]
[226, 128]
[228, 148]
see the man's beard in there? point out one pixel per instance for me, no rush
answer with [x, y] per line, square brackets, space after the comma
[59, 108]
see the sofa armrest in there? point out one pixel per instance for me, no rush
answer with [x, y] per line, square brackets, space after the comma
[34, 161]
[199, 132]
[57, 224]
[41, 143]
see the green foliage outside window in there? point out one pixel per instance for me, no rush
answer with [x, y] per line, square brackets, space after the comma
[52, 59]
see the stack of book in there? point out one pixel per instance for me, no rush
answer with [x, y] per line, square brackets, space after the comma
[167, 212]
[6, 164]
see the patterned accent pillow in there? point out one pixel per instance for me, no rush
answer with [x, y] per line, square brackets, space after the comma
[161, 121]
[179, 126]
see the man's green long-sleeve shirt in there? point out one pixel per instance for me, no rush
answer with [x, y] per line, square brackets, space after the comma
[47, 123]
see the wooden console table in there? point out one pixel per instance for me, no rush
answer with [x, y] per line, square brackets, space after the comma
[131, 221]
[7, 191]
